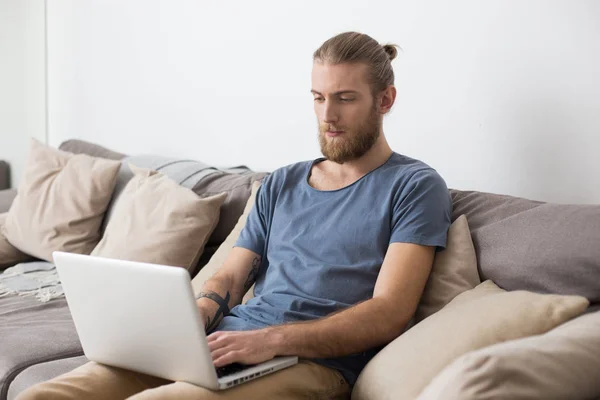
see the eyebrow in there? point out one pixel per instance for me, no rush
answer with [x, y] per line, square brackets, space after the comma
[336, 93]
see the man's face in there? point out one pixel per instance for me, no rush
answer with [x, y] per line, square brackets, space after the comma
[349, 121]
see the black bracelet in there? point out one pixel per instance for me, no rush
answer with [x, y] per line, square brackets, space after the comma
[222, 302]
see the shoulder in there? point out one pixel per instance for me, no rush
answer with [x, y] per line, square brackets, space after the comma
[410, 172]
[414, 178]
[296, 171]
[286, 177]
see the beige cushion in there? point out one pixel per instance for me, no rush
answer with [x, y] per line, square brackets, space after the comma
[61, 202]
[454, 271]
[9, 254]
[223, 251]
[474, 319]
[155, 220]
[563, 363]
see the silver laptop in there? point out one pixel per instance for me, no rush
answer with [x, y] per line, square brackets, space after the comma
[143, 317]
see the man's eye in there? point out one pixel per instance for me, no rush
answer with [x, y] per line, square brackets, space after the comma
[319, 99]
[346, 100]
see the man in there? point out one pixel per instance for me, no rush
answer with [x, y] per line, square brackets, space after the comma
[340, 249]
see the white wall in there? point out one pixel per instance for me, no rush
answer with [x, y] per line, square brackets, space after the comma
[22, 80]
[498, 96]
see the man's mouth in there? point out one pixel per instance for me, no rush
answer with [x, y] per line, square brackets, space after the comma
[332, 133]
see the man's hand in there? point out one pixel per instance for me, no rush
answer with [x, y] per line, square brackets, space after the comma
[246, 347]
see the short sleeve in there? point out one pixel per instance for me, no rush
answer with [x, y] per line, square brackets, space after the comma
[254, 235]
[421, 212]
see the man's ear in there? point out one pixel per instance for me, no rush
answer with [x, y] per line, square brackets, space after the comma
[386, 99]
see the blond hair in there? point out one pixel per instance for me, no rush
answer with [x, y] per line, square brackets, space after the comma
[355, 47]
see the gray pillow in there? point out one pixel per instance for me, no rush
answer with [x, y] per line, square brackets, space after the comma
[531, 245]
[238, 188]
[77, 146]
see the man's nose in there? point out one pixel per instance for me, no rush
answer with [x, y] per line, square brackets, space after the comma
[329, 113]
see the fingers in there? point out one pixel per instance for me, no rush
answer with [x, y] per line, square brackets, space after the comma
[217, 346]
[227, 358]
[221, 346]
[215, 336]
[227, 347]
[220, 353]
[226, 336]
[218, 342]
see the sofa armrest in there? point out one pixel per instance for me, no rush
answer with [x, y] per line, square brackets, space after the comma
[6, 198]
[4, 175]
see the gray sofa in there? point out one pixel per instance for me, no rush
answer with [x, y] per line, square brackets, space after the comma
[520, 244]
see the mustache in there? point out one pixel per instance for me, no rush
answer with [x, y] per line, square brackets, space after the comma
[328, 127]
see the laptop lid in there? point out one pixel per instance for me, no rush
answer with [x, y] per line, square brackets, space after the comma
[137, 316]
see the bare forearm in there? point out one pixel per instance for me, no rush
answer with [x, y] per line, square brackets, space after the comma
[359, 328]
[225, 289]
[215, 301]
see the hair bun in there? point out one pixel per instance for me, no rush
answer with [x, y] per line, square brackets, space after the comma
[391, 50]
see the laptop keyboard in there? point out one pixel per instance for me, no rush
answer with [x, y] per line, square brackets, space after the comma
[231, 369]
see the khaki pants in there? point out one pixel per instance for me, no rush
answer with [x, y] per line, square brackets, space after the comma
[94, 381]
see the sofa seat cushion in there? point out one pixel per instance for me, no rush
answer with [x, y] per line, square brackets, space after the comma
[32, 332]
[43, 372]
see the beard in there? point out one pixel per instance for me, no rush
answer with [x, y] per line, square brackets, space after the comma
[353, 143]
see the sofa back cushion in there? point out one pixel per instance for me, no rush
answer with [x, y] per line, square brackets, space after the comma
[4, 175]
[7, 196]
[238, 188]
[530, 245]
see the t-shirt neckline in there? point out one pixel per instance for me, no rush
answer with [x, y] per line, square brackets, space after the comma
[321, 159]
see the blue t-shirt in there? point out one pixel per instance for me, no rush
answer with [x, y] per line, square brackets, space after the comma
[322, 250]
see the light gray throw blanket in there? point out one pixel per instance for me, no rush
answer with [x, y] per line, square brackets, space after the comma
[37, 278]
